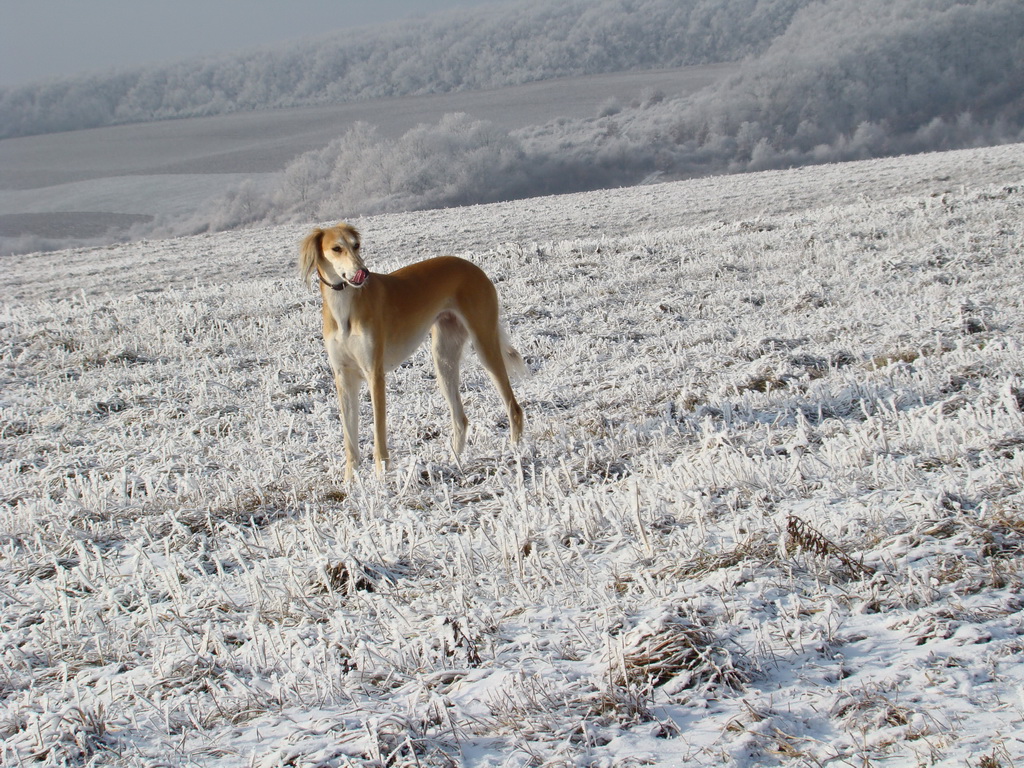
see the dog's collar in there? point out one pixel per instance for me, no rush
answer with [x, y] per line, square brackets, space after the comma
[339, 286]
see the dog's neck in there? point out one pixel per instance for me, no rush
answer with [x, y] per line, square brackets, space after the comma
[339, 300]
[338, 286]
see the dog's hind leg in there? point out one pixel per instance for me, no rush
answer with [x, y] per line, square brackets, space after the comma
[490, 347]
[448, 338]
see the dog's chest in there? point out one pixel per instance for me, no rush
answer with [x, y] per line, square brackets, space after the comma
[349, 345]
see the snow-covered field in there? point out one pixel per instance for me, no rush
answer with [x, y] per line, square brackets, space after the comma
[769, 510]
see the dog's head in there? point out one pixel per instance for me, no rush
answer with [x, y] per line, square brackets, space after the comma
[333, 254]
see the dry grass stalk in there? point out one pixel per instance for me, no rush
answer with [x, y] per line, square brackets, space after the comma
[807, 538]
[678, 650]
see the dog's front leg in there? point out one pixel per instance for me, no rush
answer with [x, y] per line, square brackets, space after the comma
[380, 426]
[347, 382]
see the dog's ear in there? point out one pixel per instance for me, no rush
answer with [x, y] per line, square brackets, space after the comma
[312, 249]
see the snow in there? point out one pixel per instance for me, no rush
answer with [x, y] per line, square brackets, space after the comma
[768, 512]
[173, 169]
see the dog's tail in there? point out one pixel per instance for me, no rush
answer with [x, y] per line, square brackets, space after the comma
[514, 363]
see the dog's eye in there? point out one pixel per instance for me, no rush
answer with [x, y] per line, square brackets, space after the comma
[336, 249]
[355, 247]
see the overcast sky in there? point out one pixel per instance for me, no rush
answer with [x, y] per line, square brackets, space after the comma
[40, 39]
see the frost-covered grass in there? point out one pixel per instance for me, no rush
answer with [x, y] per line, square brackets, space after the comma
[769, 510]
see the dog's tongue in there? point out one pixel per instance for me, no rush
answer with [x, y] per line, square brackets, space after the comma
[360, 277]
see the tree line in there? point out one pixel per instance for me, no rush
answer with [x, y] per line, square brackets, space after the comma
[820, 81]
[842, 81]
[470, 49]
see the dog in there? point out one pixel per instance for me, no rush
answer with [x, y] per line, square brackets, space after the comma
[373, 322]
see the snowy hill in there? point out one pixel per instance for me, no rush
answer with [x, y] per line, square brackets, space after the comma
[93, 186]
[458, 109]
[769, 510]
[463, 49]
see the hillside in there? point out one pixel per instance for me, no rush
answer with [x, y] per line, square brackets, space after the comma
[752, 85]
[510, 107]
[467, 49]
[73, 189]
[769, 510]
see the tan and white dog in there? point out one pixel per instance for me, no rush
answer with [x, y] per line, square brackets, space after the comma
[374, 322]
